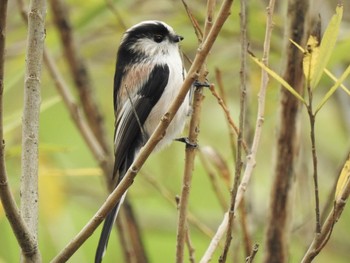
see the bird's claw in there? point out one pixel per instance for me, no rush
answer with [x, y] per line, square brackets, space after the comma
[199, 84]
[187, 142]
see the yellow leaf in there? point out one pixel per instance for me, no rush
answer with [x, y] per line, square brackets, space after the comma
[327, 46]
[343, 179]
[310, 58]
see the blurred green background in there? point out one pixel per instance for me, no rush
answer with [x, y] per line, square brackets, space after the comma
[71, 185]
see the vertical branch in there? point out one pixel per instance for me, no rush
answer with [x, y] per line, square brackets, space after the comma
[251, 162]
[287, 143]
[31, 111]
[187, 178]
[28, 244]
[243, 90]
[80, 74]
[312, 117]
[320, 240]
[191, 151]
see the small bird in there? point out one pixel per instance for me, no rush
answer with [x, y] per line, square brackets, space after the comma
[149, 73]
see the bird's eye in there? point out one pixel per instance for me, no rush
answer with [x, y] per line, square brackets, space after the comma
[158, 38]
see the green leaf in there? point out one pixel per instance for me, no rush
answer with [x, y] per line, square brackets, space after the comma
[333, 88]
[327, 45]
[278, 78]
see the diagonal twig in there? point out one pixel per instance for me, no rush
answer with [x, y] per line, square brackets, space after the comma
[250, 159]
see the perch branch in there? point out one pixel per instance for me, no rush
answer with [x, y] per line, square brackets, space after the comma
[240, 140]
[251, 162]
[182, 226]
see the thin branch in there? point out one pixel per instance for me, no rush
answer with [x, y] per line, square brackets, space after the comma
[221, 98]
[25, 238]
[80, 74]
[192, 137]
[250, 162]
[240, 140]
[189, 245]
[214, 243]
[255, 249]
[321, 239]
[194, 22]
[187, 178]
[314, 162]
[157, 135]
[232, 125]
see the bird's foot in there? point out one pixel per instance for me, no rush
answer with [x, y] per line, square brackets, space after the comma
[187, 142]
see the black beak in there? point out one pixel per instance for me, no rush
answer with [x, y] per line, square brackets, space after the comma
[177, 38]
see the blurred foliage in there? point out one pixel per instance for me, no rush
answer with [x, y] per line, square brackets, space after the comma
[71, 185]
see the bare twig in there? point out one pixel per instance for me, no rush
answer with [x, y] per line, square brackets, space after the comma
[277, 231]
[190, 247]
[255, 249]
[24, 236]
[80, 74]
[30, 120]
[187, 178]
[194, 22]
[221, 98]
[314, 161]
[240, 140]
[258, 130]
[157, 135]
[232, 125]
[321, 238]
[214, 243]
[192, 137]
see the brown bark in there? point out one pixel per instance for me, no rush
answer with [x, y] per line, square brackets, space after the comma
[287, 142]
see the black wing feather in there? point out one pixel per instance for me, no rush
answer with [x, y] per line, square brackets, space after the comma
[130, 137]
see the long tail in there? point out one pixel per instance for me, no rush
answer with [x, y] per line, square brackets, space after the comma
[106, 231]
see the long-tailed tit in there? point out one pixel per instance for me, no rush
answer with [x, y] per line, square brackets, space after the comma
[149, 73]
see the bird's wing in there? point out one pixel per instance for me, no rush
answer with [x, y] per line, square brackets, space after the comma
[133, 111]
